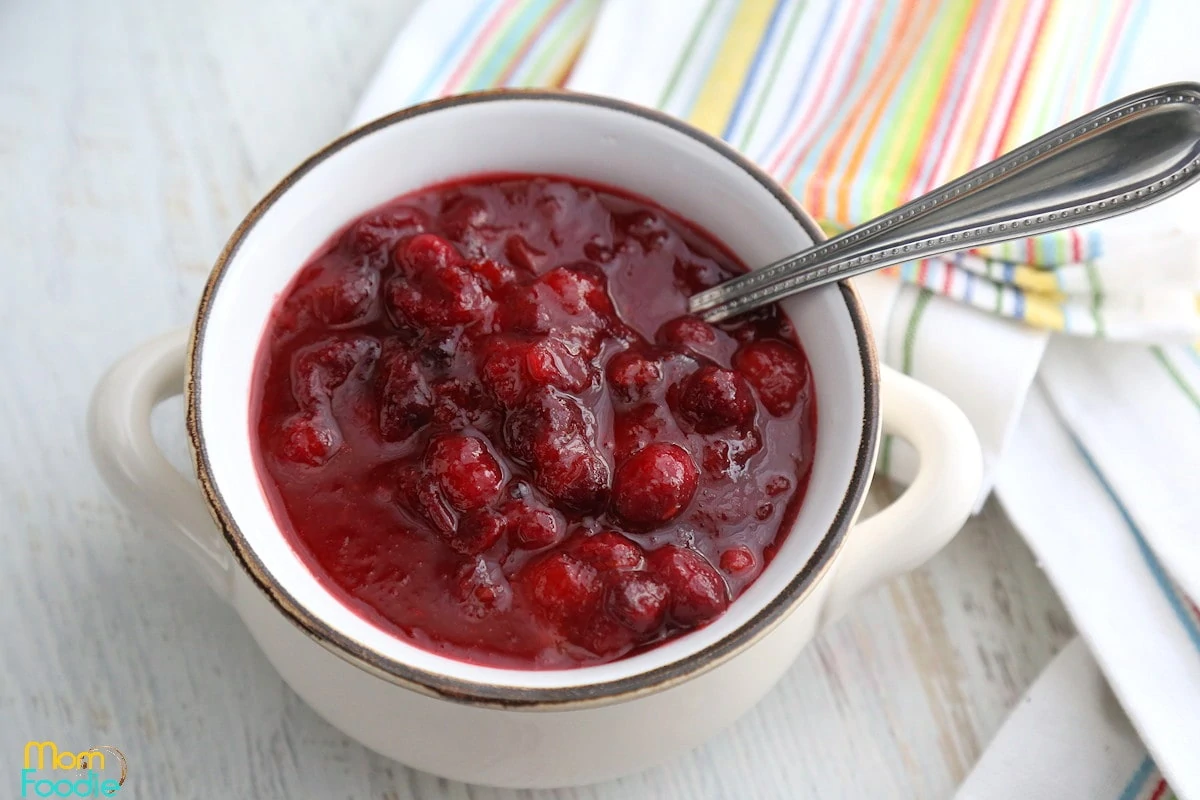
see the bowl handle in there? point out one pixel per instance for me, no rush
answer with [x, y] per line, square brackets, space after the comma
[930, 511]
[131, 463]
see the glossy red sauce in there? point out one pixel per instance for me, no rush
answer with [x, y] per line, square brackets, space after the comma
[482, 419]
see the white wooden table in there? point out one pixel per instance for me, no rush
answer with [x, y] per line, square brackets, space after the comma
[133, 137]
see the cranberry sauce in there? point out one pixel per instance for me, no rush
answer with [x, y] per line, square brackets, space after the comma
[483, 420]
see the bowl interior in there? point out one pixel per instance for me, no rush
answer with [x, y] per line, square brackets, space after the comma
[609, 144]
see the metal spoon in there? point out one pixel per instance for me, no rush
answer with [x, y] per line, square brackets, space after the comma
[1119, 158]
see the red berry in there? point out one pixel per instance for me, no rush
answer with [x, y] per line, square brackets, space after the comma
[698, 592]
[576, 476]
[419, 492]
[737, 560]
[502, 369]
[521, 310]
[687, 332]
[459, 398]
[636, 428]
[306, 440]
[550, 433]
[712, 399]
[425, 252]
[545, 415]
[632, 374]
[609, 551]
[322, 367]
[463, 214]
[550, 362]
[638, 601]
[341, 293]
[531, 527]
[476, 532]
[480, 586]
[495, 276]
[466, 471]
[563, 588]
[405, 401]
[437, 298]
[779, 373]
[378, 228]
[580, 287]
[655, 485]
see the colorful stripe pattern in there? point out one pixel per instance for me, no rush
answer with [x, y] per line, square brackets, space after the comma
[859, 106]
[1147, 783]
[513, 43]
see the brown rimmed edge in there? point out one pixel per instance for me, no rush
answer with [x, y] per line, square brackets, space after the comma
[512, 697]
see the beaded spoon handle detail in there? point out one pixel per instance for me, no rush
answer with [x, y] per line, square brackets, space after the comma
[1124, 156]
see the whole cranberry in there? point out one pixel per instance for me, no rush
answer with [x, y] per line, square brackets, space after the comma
[522, 310]
[460, 398]
[465, 470]
[575, 475]
[609, 551]
[480, 586]
[378, 228]
[655, 485]
[476, 532]
[550, 433]
[698, 592]
[495, 276]
[530, 526]
[631, 374]
[562, 587]
[462, 214]
[502, 368]
[405, 400]
[580, 286]
[712, 399]
[420, 493]
[551, 362]
[599, 633]
[438, 298]
[687, 332]
[342, 294]
[778, 371]
[322, 367]
[737, 560]
[425, 252]
[544, 418]
[638, 600]
[308, 440]
[636, 428]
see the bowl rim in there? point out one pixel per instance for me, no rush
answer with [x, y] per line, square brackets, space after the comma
[487, 694]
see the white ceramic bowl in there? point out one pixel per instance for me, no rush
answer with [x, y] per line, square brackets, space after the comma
[509, 727]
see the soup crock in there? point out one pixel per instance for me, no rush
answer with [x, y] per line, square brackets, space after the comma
[506, 727]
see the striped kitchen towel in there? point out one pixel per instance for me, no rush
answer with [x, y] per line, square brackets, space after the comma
[857, 105]
[1039, 755]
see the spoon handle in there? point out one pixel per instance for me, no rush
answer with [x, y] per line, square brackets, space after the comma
[1126, 155]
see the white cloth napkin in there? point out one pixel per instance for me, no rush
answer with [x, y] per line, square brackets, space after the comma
[1040, 754]
[1103, 490]
[1141, 629]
